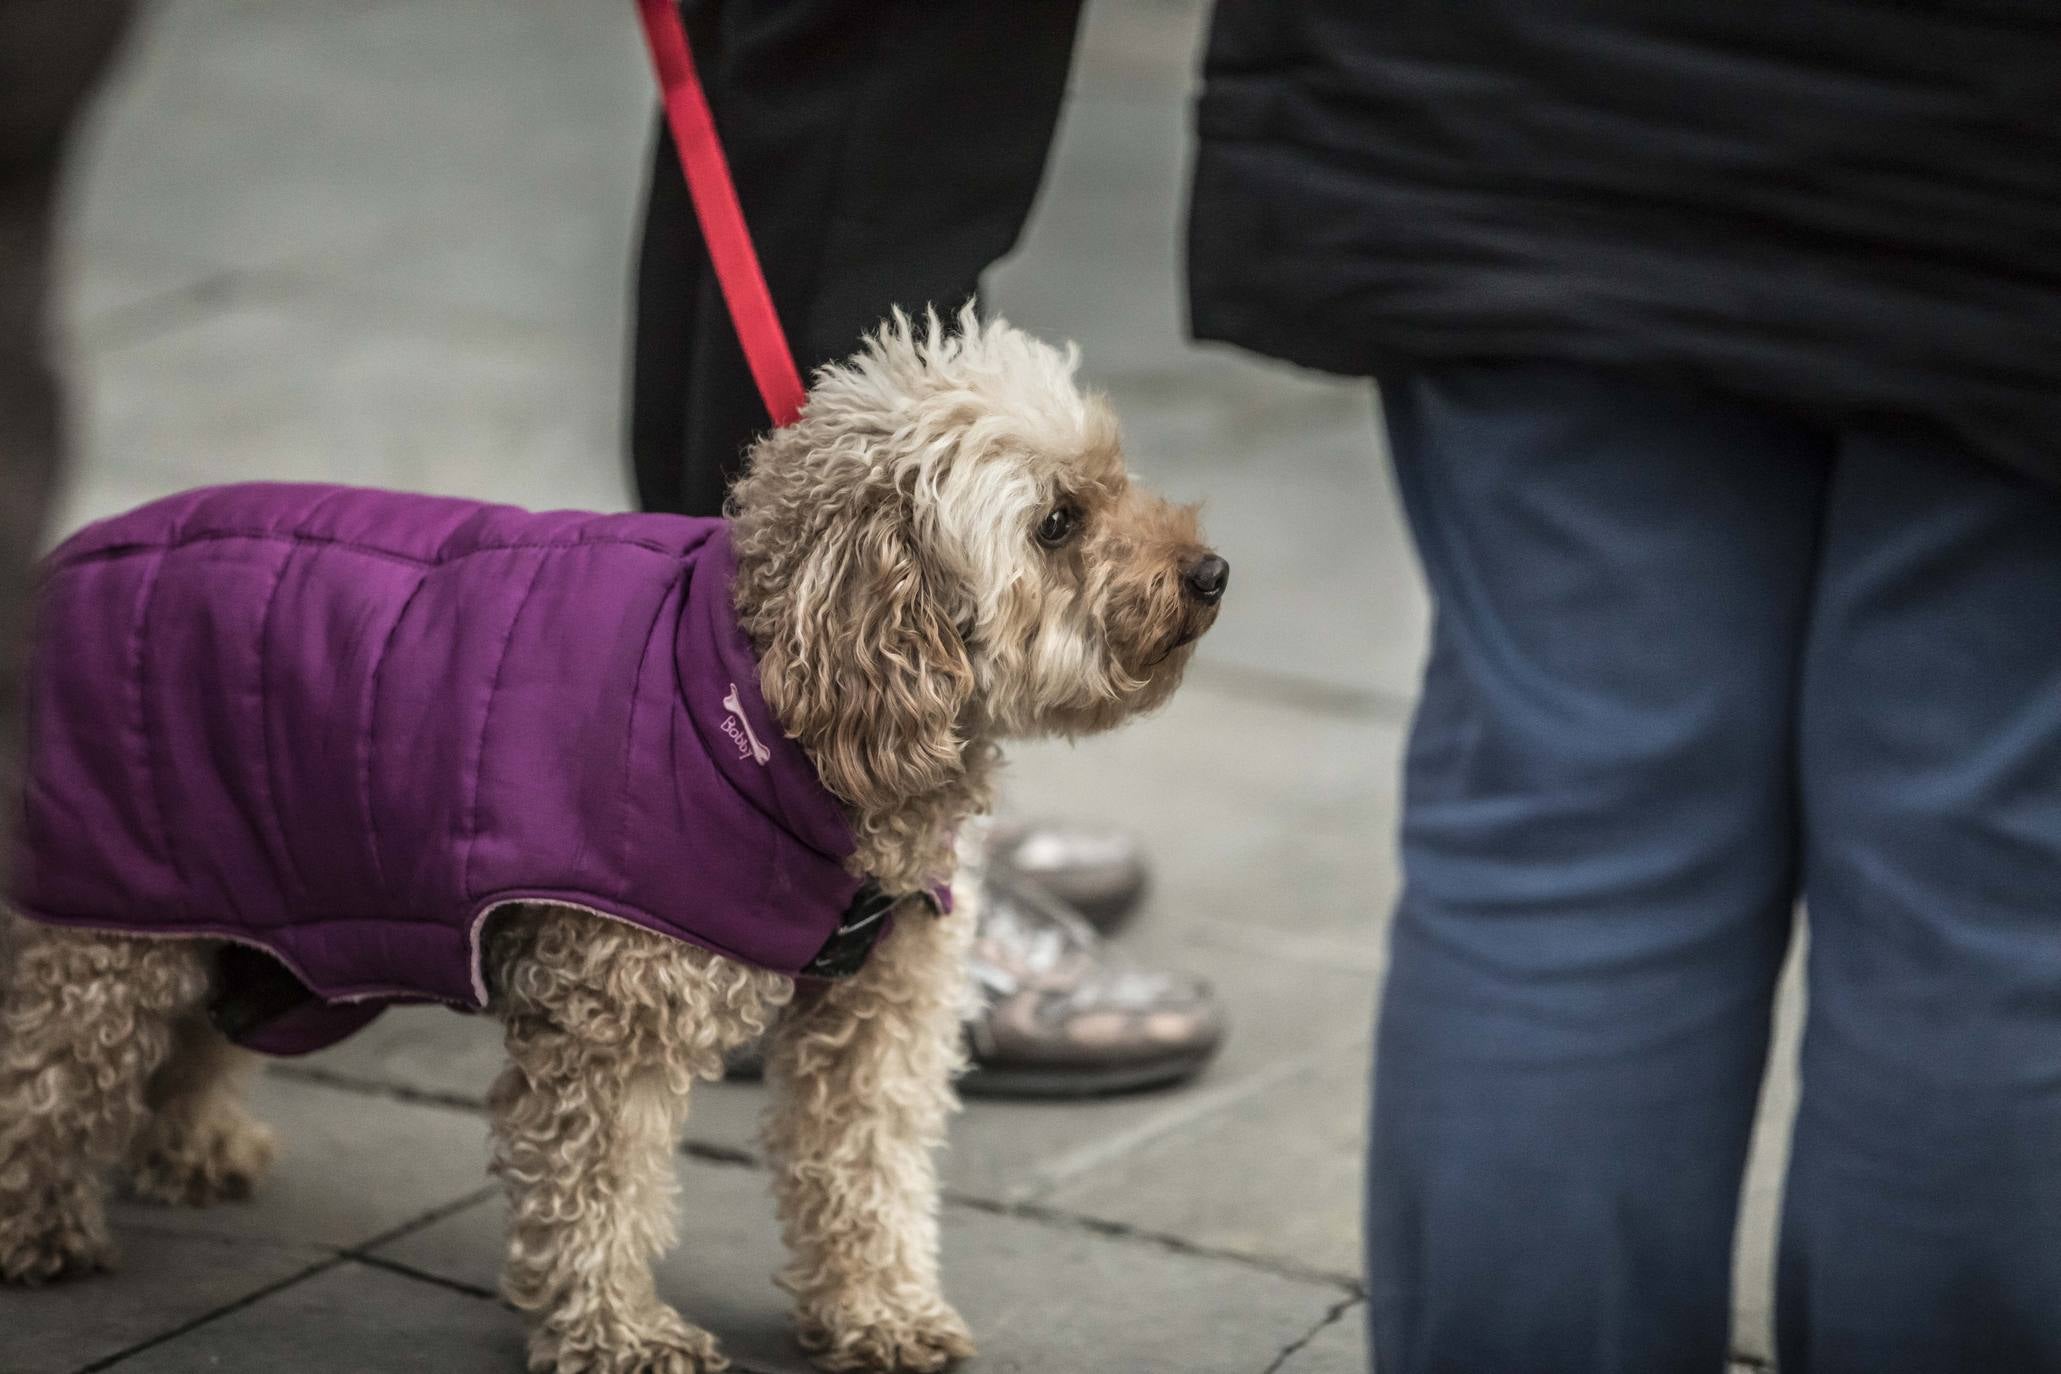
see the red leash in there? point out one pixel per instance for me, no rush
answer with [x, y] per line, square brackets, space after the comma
[721, 217]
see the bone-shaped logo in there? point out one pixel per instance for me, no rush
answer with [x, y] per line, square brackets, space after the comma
[739, 730]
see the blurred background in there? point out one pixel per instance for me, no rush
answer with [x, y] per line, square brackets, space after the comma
[389, 242]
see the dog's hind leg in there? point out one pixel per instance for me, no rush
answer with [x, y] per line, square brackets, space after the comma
[84, 1021]
[199, 1145]
[607, 1027]
[863, 1075]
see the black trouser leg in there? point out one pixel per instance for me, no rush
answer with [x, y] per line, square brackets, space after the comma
[885, 154]
[52, 53]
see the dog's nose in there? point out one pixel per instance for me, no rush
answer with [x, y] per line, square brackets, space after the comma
[1206, 579]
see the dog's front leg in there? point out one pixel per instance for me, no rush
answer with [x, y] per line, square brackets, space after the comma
[607, 1027]
[863, 1075]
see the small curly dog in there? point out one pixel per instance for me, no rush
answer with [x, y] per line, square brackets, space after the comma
[524, 792]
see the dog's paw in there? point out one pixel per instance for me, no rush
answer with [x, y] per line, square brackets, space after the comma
[884, 1343]
[218, 1160]
[661, 1342]
[42, 1245]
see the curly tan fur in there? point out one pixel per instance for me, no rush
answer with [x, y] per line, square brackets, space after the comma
[198, 1146]
[85, 1020]
[863, 1089]
[608, 1026]
[910, 605]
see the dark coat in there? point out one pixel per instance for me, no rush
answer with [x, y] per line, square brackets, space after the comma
[1850, 206]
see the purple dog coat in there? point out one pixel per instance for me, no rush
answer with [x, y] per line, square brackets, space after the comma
[343, 726]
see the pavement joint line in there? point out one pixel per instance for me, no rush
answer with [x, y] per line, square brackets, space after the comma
[1021, 1207]
[1056, 1174]
[409, 1271]
[1329, 1319]
[727, 1156]
[257, 1295]
[470, 1290]
[708, 1152]
[373, 1087]
[1061, 1219]
[342, 1255]
[406, 1271]
[161, 312]
[433, 1215]
[1331, 953]
[167, 310]
[131, 1225]
[1300, 692]
[1331, 407]
[333, 274]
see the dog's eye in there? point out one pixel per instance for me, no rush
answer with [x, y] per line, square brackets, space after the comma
[1058, 526]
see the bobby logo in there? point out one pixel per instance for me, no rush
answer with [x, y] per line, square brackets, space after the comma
[739, 731]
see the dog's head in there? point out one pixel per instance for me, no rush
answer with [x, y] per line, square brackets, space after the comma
[946, 549]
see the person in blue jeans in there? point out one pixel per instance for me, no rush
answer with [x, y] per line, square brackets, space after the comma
[1720, 355]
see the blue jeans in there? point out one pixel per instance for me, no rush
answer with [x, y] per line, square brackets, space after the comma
[1695, 659]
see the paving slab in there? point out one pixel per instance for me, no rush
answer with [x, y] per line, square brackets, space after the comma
[202, 158]
[1270, 819]
[428, 1052]
[306, 386]
[1284, 1018]
[1114, 187]
[351, 1169]
[350, 1319]
[1275, 1174]
[105, 294]
[1040, 1297]
[167, 1280]
[1337, 1347]
[360, 243]
[260, 133]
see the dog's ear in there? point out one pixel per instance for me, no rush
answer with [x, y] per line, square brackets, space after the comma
[873, 677]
